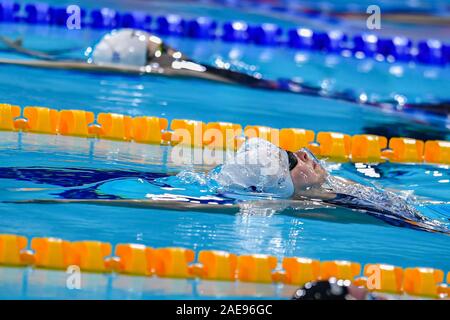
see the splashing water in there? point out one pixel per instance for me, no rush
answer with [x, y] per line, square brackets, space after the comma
[400, 205]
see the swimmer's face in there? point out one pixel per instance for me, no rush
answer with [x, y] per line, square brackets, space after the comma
[307, 173]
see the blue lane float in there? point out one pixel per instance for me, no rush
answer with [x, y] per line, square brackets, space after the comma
[367, 45]
[300, 38]
[37, 13]
[171, 24]
[398, 47]
[58, 16]
[332, 41]
[104, 18]
[266, 34]
[236, 31]
[431, 51]
[9, 11]
[135, 19]
[201, 28]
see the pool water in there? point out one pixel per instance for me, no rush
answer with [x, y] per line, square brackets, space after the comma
[77, 164]
[34, 166]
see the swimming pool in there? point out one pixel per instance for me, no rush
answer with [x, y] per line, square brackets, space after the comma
[43, 166]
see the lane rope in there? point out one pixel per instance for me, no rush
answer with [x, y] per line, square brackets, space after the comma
[365, 45]
[141, 260]
[335, 146]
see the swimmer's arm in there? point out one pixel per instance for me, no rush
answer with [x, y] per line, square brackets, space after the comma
[141, 204]
[80, 66]
[16, 45]
[89, 67]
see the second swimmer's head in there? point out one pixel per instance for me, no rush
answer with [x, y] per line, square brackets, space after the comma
[128, 47]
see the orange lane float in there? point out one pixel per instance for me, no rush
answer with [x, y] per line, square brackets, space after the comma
[422, 281]
[90, 255]
[301, 270]
[149, 129]
[41, 120]
[173, 262]
[293, 139]
[140, 260]
[437, 152]
[218, 265]
[75, 122]
[345, 270]
[256, 268]
[135, 259]
[266, 133]
[52, 253]
[382, 277]
[405, 150]
[112, 126]
[187, 132]
[10, 248]
[334, 146]
[367, 148]
[8, 113]
[221, 135]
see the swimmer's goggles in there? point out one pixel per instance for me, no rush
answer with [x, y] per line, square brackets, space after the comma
[293, 160]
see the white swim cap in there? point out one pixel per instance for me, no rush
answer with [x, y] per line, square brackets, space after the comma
[258, 167]
[124, 47]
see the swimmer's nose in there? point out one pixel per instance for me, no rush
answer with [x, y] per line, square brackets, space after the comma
[303, 156]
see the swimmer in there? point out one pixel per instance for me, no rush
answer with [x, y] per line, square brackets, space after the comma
[136, 52]
[263, 175]
[139, 52]
[261, 168]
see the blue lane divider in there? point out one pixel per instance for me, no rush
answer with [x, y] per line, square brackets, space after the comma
[135, 19]
[171, 24]
[363, 45]
[266, 34]
[236, 31]
[366, 43]
[56, 15]
[333, 41]
[431, 51]
[37, 13]
[202, 28]
[9, 11]
[105, 18]
[397, 47]
[301, 38]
